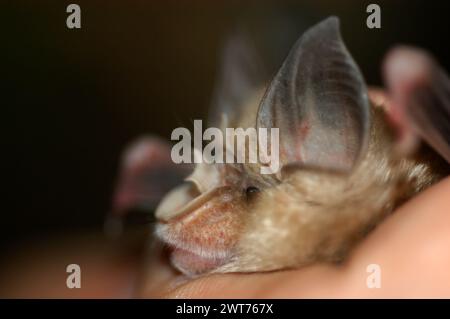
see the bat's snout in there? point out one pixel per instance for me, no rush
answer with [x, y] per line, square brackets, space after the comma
[203, 231]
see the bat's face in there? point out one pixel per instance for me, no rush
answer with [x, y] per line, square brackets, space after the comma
[202, 219]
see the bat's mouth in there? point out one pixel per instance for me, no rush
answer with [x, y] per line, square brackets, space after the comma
[203, 234]
[191, 257]
[193, 264]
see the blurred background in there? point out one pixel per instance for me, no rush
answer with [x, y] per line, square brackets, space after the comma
[73, 99]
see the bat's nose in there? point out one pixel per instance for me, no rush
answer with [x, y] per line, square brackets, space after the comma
[202, 234]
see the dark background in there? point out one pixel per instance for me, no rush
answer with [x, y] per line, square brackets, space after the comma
[72, 99]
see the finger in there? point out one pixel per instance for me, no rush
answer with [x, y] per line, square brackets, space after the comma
[411, 248]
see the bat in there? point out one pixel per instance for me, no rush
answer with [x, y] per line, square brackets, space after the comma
[346, 161]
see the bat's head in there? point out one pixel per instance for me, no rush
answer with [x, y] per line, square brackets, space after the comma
[317, 100]
[202, 219]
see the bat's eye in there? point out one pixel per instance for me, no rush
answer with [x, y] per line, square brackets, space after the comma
[251, 191]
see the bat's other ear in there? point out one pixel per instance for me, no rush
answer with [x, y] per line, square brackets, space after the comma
[146, 174]
[319, 102]
[240, 75]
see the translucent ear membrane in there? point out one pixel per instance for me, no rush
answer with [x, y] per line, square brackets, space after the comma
[319, 102]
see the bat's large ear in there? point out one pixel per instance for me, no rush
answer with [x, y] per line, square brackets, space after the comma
[319, 102]
[240, 75]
